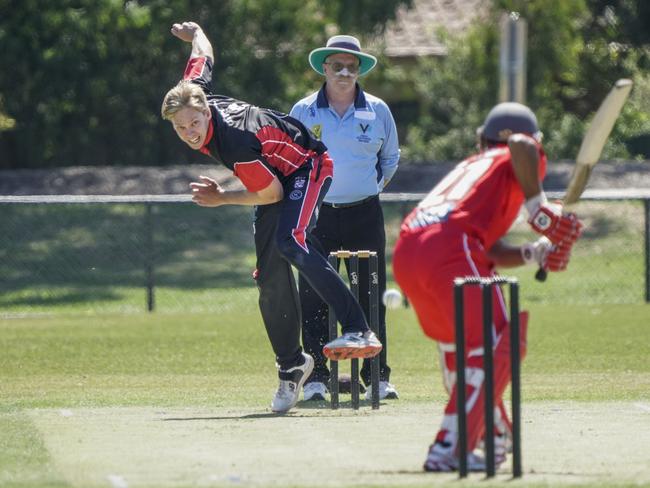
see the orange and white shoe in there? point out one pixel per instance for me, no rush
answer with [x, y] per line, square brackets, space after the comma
[353, 345]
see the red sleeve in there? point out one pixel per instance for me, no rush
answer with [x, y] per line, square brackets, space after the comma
[253, 174]
[199, 71]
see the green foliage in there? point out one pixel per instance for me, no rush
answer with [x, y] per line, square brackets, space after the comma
[570, 68]
[453, 109]
[88, 76]
[363, 15]
[84, 78]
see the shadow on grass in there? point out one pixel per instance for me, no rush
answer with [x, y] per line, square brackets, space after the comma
[40, 300]
[269, 415]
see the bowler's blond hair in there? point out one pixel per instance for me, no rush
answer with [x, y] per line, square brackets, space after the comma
[185, 94]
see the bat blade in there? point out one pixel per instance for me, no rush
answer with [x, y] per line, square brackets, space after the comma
[595, 138]
[592, 145]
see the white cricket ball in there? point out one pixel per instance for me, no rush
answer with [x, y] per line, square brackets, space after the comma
[392, 298]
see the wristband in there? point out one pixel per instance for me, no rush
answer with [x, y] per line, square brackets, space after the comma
[533, 204]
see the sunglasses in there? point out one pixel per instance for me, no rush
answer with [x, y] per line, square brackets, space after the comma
[338, 67]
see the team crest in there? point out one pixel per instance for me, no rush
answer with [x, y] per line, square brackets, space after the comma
[363, 131]
[317, 130]
[299, 182]
[542, 221]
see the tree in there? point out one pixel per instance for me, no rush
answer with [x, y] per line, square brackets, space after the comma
[570, 70]
[87, 77]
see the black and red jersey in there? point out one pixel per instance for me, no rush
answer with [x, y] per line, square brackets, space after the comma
[255, 143]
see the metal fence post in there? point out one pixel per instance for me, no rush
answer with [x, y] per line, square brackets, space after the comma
[149, 255]
[646, 205]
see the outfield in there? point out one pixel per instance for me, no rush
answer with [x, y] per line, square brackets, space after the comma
[182, 400]
[94, 392]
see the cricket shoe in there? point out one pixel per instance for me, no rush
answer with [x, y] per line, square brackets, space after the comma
[442, 459]
[386, 391]
[353, 345]
[502, 444]
[502, 433]
[315, 391]
[291, 381]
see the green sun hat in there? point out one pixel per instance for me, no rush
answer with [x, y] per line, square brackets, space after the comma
[342, 44]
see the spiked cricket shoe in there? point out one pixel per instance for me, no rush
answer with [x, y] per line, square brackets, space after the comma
[291, 381]
[353, 345]
[315, 391]
[387, 391]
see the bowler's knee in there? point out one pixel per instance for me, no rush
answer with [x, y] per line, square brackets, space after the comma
[290, 249]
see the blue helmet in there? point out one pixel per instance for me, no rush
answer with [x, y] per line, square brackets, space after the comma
[509, 118]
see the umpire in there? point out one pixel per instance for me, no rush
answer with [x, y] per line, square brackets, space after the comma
[359, 132]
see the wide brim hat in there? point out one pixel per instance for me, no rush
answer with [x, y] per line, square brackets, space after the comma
[342, 44]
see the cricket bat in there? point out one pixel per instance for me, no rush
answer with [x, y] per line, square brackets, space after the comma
[592, 146]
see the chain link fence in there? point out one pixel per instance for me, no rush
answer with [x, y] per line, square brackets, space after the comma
[132, 254]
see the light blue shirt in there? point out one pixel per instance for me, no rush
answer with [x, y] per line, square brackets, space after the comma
[363, 143]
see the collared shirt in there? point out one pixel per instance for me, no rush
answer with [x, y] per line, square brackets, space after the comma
[363, 143]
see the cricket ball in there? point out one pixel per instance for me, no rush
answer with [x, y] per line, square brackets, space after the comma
[392, 298]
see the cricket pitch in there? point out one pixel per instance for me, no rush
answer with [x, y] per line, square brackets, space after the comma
[563, 443]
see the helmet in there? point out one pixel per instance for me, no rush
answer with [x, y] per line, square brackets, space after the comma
[509, 118]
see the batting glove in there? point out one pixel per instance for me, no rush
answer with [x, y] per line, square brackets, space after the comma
[559, 227]
[546, 255]
[558, 258]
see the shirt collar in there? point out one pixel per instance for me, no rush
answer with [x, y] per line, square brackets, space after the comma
[204, 149]
[359, 98]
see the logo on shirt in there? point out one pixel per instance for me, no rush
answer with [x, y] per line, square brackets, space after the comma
[317, 130]
[363, 131]
[295, 195]
[364, 138]
[299, 182]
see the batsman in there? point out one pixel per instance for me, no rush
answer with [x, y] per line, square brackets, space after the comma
[457, 231]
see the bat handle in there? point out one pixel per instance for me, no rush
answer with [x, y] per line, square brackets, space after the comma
[541, 275]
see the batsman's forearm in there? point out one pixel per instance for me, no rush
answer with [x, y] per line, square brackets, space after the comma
[504, 255]
[201, 45]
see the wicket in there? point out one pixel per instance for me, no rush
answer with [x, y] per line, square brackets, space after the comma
[373, 314]
[486, 285]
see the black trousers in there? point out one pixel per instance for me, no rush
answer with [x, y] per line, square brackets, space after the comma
[353, 228]
[282, 239]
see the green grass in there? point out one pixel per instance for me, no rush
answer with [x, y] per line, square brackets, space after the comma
[92, 258]
[74, 334]
[156, 358]
[212, 361]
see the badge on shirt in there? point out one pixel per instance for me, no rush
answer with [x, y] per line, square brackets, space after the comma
[364, 115]
[317, 130]
[363, 131]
